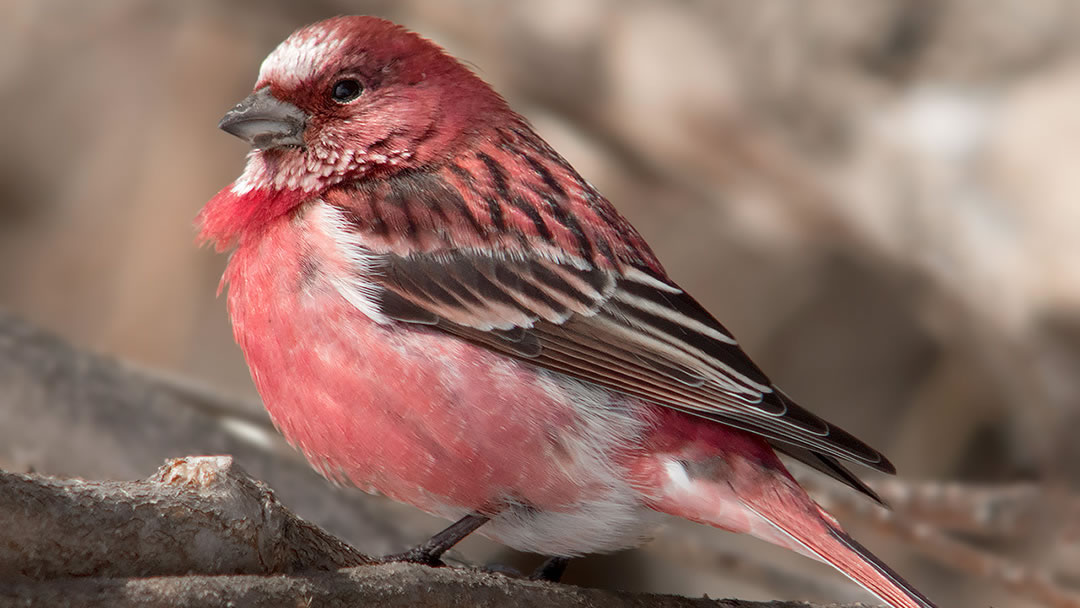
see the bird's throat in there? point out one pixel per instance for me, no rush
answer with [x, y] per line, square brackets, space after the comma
[235, 213]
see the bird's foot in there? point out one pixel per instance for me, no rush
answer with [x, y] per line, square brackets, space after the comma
[416, 555]
[551, 570]
[430, 552]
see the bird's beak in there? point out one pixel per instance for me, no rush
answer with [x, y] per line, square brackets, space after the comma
[264, 121]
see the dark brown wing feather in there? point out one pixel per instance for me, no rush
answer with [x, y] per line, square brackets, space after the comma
[632, 332]
[829, 466]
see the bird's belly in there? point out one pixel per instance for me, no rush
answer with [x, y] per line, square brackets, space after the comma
[434, 421]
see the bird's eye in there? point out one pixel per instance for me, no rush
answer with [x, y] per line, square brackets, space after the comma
[346, 90]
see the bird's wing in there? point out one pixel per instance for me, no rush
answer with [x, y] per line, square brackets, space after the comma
[632, 332]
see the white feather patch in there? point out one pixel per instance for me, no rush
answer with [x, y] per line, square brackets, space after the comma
[674, 316]
[612, 519]
[356, 285]
[676, 472]
[639, 276]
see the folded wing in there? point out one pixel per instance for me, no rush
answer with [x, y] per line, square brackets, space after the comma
[631, 331]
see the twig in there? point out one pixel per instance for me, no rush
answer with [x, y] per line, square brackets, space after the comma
[989, 511]
[952, 553]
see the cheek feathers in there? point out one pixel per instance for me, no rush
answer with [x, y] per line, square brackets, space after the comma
[311, 170]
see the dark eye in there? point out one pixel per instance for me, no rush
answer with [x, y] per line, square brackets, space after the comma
[346, 90]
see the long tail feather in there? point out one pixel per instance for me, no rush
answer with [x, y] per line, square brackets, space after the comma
[736, 482]
[825, 541]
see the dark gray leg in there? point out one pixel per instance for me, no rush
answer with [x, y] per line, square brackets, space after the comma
[551, 570]
[430, 551]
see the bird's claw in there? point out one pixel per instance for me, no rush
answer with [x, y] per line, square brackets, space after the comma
[551, 570]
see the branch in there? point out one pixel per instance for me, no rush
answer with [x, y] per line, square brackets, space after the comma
[995, 512]
[1002, 511]
[386, 586]
[201, 530]
[195, 515]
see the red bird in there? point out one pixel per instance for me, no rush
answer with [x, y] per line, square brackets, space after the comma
[435, 306]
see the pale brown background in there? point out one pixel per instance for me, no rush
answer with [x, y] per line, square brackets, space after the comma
[881, 199]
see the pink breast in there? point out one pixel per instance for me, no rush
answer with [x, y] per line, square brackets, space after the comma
[403, 410]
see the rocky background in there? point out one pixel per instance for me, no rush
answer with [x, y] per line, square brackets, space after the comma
[882, 200]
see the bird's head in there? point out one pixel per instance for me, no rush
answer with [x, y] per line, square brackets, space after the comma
[345, 99]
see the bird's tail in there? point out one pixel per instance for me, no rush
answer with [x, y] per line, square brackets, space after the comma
[764, 501]
[826, 541]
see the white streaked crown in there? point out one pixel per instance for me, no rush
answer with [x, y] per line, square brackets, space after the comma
[301, 55]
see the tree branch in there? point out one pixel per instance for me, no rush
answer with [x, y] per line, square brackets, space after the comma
[201, 530]
[195, 515]
[386, 586]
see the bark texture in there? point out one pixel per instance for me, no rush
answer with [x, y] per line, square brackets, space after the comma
[202, 532]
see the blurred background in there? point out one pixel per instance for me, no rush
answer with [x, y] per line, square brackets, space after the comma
[881, 199]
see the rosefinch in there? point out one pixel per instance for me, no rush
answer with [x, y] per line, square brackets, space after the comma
[435, 306]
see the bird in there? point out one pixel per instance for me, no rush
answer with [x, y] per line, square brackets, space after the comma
[436, 307]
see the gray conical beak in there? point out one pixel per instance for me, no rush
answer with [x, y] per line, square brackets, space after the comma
[265, 121]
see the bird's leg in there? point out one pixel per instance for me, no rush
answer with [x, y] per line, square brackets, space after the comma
[551, 570]
[430, 551]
